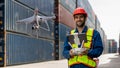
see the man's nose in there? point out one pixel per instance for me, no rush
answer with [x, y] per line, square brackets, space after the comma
[79, 18]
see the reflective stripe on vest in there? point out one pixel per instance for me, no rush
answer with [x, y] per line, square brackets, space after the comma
[84, 59]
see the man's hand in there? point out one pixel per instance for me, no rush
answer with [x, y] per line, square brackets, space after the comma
[71, 52]
[78, 51]
[85, 52]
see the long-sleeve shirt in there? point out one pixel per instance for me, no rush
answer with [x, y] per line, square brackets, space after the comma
[95, 51]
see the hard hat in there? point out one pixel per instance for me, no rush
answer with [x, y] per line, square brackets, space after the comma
[79, 10]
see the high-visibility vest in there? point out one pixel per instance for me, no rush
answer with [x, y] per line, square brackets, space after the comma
[84, 59]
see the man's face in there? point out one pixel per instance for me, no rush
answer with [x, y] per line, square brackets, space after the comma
[80, 20]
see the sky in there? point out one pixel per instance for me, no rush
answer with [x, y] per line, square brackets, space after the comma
[108, 13]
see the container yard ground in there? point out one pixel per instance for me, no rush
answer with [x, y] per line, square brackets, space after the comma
[111, 60]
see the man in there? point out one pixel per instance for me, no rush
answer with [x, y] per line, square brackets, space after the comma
[94, 46]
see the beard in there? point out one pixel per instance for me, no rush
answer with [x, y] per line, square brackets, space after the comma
[80, 24]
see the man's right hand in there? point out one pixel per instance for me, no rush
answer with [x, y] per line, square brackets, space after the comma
[71, 53]
[78, 51]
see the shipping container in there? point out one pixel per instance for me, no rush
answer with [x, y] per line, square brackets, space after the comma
[119, 45]
[19, 43]
[112, 44]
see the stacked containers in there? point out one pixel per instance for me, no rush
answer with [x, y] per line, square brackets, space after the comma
[22, 44]
[112, 44]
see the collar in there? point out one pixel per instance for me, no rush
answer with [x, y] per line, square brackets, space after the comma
[83, 31]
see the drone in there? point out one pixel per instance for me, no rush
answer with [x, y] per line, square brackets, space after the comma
[36, 20]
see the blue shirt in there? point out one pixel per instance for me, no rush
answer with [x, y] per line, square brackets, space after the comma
[94, 52]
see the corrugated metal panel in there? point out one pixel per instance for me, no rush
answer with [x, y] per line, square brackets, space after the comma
[68, 4]
[63, 31]
[21, 49]
[2, 34]
[43, 5]
[21, 11]
[66, 17]
[61, 50]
